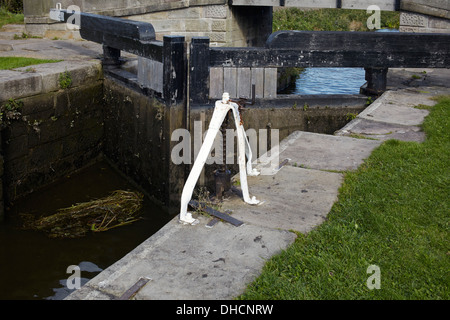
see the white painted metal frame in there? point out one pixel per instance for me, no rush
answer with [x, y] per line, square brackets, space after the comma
[220, 111]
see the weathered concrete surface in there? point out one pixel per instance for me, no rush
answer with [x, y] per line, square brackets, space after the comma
[44, 78]
[398, 108]
[293, 199]
[325, 152]
[395, 115]
[191, 262]
[73, 50]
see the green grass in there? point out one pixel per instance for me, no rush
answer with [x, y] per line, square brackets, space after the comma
[392, 212]
[7, 63]
[7, 17]
[329, 19]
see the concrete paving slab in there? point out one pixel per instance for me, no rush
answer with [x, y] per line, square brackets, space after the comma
[191, 262]
[400, 78]
[325, 152]
[394, 116]
[43, 78]
[73, 50]
[383, 131]
[397, 107]
[293, 199]
[6, 47]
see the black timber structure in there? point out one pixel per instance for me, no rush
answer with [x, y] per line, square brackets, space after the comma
[374, 51]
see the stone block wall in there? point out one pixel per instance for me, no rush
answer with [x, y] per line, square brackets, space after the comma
[427, 16]
[223, 24]
[57, 130]
[417, 22]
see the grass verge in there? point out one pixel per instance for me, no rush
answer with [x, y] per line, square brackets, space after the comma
[7, 63]
[330, 19]
[7, 17]
[393, 212]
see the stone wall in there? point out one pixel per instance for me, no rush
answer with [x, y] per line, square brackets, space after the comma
[430, 16]
[56, 130]
[223, 24]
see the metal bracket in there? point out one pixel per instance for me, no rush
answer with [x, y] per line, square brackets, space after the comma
[220, 215]
[134, 289]
[57, 14]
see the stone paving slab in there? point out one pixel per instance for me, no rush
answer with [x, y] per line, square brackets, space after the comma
[73, 50]
[397, 107]
[44, 78]
[395, 115]
[326, 152]
[293, 199]
[383, 131]
[190, 262]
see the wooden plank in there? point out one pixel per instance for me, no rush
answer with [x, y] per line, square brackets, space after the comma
[300, 58]
[383, 42]
[156, 76]
[199, 70]
[123, 34]
[174, 70]
[341, 49]
[258, 81]
[270, 83]
[244, 83]
[216, 83]
[150, 74]
[149, 49]
[230, 81]
[111, 25]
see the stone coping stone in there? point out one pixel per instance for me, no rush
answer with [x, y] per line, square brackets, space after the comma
[43, 78]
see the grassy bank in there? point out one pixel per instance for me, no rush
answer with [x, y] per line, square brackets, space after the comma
[329, 19]
[7, 17]
[7, 63]
[393, 212]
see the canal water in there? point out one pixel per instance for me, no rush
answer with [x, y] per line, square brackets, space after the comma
[329, 81]
[33, 266]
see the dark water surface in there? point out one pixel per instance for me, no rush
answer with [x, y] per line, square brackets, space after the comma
[33, 266]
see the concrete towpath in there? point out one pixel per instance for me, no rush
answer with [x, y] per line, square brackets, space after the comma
[196, 262]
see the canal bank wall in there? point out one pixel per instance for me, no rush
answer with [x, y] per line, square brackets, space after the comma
[52, 124]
